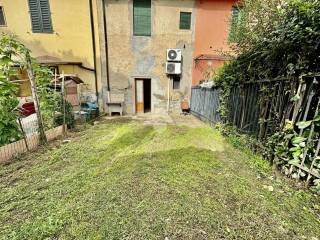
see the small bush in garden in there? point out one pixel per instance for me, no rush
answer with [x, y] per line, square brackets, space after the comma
[289, 149]
[58, 120]
[9, 128]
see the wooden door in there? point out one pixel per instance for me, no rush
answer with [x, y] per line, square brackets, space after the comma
[139, 96]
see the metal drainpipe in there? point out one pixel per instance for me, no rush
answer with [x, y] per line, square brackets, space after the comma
[169, 86]
[94, 49]
[106, 42]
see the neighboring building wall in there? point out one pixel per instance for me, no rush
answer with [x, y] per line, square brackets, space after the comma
[71, 40]
[133, 57]
[211, 36]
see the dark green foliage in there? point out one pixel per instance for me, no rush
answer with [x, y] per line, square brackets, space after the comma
[9, 129]
[291, 47]
[69, 114]
[287, 45]
[12, 57]
[47, 96]
[277, 39]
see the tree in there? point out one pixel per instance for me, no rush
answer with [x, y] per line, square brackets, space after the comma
[256, 20]
[275, 38]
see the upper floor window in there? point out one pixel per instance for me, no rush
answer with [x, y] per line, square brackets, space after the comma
[2, 18]
[40, 16]
[235, 21]
[185, 20]
[142, 17]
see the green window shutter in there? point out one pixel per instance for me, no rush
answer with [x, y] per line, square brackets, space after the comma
[40, 16]
[35, 15]
[46, 16]
[185, 20]
[142, 17]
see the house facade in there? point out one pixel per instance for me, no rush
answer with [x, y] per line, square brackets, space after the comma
[59, 34]
[139, 33]
[212, 43]
[118, 48]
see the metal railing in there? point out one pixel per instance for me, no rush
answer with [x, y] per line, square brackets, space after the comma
[205, 104]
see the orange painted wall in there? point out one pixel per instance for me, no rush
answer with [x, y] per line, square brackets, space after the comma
[211, 34]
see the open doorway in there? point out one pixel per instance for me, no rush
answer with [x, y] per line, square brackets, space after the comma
[143, 95]
[147, 95]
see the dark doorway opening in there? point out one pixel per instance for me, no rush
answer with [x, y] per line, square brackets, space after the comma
[147, 95]
[176, 82]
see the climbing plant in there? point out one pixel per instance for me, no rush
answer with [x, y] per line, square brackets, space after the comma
[48, 97]
[14, 56]
[290, 147]
[9, 129]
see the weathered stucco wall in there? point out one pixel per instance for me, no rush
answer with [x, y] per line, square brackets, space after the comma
[133, 57]
[211, 33]
[71, 40]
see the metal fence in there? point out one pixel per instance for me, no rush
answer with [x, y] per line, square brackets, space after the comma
[258, 108]
[205, 104]
[261, 108]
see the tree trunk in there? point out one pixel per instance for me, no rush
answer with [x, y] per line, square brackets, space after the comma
[43, 138]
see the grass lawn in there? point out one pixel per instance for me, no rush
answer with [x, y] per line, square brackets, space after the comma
[125, 180]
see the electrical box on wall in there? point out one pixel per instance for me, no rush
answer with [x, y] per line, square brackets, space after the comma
[174, 68]
[174, 55]
[174, 61]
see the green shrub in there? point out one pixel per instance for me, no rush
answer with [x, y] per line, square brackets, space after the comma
[9, 129]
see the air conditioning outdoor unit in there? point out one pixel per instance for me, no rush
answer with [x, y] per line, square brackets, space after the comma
[173, 68]
[174, 55]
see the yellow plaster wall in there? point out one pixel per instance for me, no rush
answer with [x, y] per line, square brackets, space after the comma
[24, 87]
[71, 40]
